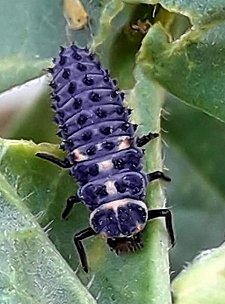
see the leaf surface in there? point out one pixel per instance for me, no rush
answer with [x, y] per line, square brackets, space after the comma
[195, 59]
[32, 271]
[196, 193]
[203, 281]
[29, 41]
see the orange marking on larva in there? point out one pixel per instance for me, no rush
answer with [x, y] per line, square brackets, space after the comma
[123, 142]
[78, 156]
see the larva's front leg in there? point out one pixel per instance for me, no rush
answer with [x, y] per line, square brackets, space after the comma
[63, 163]
[141, 141]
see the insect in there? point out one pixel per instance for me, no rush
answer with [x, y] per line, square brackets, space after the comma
[75, 14]
[103, 153]
[141, 26]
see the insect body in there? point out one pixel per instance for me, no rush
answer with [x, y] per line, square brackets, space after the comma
[75, 14]
[104, 155]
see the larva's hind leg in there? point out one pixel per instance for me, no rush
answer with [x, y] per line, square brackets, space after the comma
[78, 237]
[152, 214]
[141, 141]
[63, 163]
[69, 205]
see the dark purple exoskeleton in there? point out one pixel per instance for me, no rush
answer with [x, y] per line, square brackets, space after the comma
[103, 152]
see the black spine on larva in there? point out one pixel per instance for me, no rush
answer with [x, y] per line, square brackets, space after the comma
[95, 130]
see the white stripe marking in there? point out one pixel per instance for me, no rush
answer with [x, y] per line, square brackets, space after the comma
[105, 165]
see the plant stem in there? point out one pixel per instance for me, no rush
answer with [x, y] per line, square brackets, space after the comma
[147, 99]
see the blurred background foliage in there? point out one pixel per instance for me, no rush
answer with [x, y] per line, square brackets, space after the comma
[185, 54]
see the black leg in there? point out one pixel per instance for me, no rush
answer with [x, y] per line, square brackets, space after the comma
[156, 175]
[78, 237]
[63, 163]
[141, 141]
[152, 214]
[69, 205]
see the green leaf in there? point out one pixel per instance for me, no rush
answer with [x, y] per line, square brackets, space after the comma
[32, 271]
[200, 140]
[190, 66]
[196, 193]
[203, 281]
[31, 38]
[111, 38]
[146, 99]
[116, 42]
[112, 9]
[25, 45]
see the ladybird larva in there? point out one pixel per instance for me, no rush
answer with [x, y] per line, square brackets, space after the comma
[103, 153]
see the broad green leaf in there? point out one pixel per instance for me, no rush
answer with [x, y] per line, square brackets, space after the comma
[196, 193]
[108, 40]
[185, 46]
[146, 99]
[197, 207]
[32, 271]
[112, 9]
[32, 37]
[203, 281]
[190, 66]
[116, 42]
[200, 139]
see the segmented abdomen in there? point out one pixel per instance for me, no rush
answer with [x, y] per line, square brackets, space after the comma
[95, 130]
